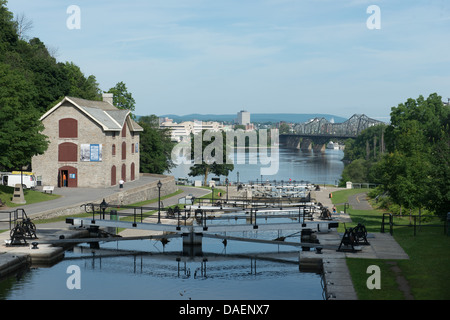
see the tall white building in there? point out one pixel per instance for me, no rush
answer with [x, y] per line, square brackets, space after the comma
[243, 117]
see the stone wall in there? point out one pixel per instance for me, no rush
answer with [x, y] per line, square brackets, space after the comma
[126, 197]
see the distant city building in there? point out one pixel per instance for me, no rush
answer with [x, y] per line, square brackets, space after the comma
[243, 117]
[182, 131]
[446, 103]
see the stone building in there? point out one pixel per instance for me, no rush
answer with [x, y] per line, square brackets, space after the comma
[92, 144]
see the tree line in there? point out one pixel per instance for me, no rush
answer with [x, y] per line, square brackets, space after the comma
[408, 158]
[32, 81]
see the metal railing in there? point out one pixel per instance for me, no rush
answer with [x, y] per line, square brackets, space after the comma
[414, 221]
[15, 216]
[253, 211]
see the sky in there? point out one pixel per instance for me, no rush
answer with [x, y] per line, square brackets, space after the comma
[263, 56]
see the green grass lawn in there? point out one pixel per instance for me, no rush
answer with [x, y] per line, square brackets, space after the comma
[428, 269]
[31, 196]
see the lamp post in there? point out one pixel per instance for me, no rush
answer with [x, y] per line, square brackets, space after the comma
[159, 201]
[212, 194]
[226, 181]
[103, 207]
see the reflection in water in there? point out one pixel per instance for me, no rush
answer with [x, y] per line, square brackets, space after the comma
[316, 167]
[146, 269]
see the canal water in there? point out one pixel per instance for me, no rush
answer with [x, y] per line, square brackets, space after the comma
[149, 269]
[162, 272]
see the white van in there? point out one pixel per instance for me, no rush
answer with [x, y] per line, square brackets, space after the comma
[11, 179]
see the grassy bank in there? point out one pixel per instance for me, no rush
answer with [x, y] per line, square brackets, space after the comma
[31, 196]
[427, 272]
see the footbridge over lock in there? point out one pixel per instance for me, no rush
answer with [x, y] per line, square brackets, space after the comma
[218, 220]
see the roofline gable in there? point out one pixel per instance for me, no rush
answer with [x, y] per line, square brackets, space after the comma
[85, 112]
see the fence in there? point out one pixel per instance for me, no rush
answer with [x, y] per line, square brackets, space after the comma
[413, 221]
[14, 217]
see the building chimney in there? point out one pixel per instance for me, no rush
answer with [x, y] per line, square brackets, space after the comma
[108, 97]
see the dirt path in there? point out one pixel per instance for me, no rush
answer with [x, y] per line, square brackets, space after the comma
[402, 283]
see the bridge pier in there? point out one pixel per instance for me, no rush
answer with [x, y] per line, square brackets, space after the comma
[316, 142]
[319, 147]
[305, 144]
[192, 244]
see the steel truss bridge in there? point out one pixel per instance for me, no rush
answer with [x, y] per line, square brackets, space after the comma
[317, 132]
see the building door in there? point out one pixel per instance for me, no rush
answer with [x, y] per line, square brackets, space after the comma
[63, 178]
[67, 177]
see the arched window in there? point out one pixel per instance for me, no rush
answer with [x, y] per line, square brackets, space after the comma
[113, 149]
[124, 150]
[132, 171]
[68, 128]
[68, 152]
[124, 172]
[113, 175]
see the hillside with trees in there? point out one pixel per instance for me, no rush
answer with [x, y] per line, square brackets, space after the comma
[32, 81]
[409, 158]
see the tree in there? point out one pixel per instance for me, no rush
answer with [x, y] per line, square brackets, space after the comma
[284, 128]
[20, 134]
[415, 169]
[356, 171]
[155, 146]
[80, 86]
[122, 99]
[212, 158]
[48, 76]
[367, 145]
[8, 33]
[23, 25]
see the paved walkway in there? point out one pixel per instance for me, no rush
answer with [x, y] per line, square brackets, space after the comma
[359, 201]
[336, 273]
[71, 196]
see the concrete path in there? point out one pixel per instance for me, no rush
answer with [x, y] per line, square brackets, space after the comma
[70, 196]
[337, 276]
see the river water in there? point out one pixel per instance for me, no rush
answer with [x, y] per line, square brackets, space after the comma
[148, 269]
[307, 165]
